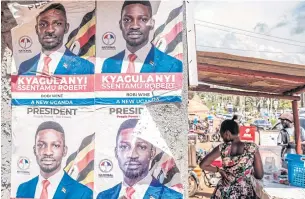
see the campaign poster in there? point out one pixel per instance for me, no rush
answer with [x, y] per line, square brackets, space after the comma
[52, 152]
[132, 160]
[54, 53]
[139, 52]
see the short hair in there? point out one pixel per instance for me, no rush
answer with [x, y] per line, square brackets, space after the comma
[144, 3]
[56, 6]
[50, 125]
[127, 124]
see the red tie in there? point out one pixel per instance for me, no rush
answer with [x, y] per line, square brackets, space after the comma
[44, 193]
[131, 66]
[46, 69]
[129, 192]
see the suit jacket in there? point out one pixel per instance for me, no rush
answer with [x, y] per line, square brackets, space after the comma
[68, 188]
[155, 191]
[155, 62]
[69, 64]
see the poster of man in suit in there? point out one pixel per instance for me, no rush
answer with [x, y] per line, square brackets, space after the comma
[54, 52]
[142, 38]
[44, 140]
[140, 55]
[134, 161]
[49, 36]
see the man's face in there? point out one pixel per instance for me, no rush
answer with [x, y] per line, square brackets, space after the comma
[136, 24]
[49, 150]
[133, 154]
[51, 27]
[285, 123]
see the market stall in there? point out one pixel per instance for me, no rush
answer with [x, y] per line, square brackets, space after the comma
[245, 76]
[266, 189]
[196, 107]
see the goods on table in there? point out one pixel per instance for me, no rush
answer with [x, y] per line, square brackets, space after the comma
[280, 177]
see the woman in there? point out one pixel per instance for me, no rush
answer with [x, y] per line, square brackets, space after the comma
[240, 160]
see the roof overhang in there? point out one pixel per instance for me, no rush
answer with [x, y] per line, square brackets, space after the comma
[249, 76]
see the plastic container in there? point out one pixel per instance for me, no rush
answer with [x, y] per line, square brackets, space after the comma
[198, 171]
[271, 158]
[296, 169]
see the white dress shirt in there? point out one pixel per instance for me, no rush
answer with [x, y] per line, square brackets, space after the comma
[141, 56]
[55, 59]
[54, 182]
[140, 188]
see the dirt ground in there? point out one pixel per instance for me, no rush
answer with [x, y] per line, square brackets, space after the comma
[205, 192]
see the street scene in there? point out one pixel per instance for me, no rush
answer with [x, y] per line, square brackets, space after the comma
[206, 113]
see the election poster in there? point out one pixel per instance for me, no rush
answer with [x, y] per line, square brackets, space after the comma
[54, 53]
[132, 160]
[138, 52]
[53, 150]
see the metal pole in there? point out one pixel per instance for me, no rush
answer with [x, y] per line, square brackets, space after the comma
[296, 126]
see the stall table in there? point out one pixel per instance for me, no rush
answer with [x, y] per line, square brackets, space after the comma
[265, 189]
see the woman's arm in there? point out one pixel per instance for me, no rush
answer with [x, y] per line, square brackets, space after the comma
[205, 164]
[258, 165]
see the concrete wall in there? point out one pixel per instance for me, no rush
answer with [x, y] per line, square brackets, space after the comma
[7, 22]
[170, 118]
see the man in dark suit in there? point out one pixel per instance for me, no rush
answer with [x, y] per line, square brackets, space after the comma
[134, 156]
[140, 55]
[54, 58]
[52, 182]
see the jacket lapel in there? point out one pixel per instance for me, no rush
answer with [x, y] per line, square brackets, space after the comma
[115, 192]
[65, 63]
[154, 190]
[32, 187]
[117, 62]
[149, 65]
[33, 69]
[64, 187]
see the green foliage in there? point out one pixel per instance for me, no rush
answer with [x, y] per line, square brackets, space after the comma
[273, 121]
[243, 103]
[285, 104]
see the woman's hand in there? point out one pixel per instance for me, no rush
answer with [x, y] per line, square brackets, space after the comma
[224, 177]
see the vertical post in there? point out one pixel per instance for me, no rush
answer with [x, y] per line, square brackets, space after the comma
[296, 126]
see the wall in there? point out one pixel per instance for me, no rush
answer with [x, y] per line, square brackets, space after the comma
[170, 118]
[7, 22]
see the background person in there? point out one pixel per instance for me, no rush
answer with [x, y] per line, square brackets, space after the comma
[286, 137]
[240, 160]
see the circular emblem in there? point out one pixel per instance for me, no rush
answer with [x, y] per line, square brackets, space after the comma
[23, 163]
[25, 42]
[105, 166]
[108, 38]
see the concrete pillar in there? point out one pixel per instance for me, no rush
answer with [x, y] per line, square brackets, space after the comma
[7, 23]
